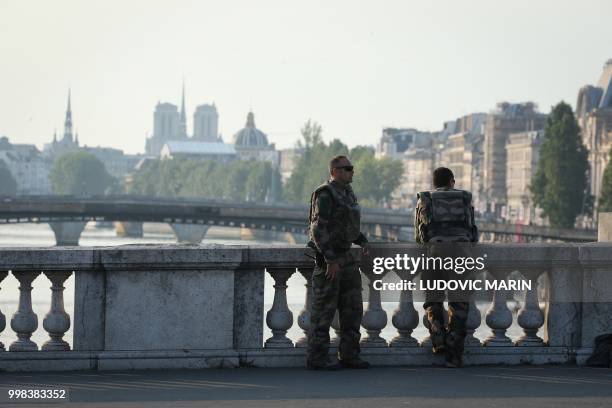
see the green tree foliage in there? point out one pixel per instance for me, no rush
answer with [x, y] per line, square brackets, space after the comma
[262, 181]
[605, 199]
[8, 184]
[80, 173]
[560, 183]
[374, 179]
[312, 168]
[239, 180]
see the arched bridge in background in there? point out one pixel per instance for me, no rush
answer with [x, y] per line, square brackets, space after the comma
[190, 218]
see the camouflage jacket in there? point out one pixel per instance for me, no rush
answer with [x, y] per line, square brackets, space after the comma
[422, 220]
[332, 227]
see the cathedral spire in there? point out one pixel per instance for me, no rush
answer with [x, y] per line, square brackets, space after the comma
[68, 121]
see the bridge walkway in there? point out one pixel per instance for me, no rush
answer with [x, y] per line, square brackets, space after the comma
[493, 386]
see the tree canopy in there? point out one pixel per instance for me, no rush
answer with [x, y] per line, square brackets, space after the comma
[80, 173]
[251, 180]
[559, 186]
[374, 180]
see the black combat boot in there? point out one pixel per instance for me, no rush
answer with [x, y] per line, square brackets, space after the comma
[438, 338]
[354, 362]
[322, 365]
[454, 350]
[437, 331]
[453, 360]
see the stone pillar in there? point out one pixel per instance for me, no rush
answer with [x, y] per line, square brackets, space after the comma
[596, 296]
[24, 321]
[189, 233]
[289, 237]
[67, 233]
[129, 229]
[604, 227]
[279, 318]
[57, 321]
[248, 307]
[89, 310]
[293, 238]
[562, 317]
[378, 233]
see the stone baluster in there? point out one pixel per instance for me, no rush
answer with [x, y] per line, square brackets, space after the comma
[405, 318]
[57, 321]
[304, 316]
[473, 322]
[499, 317]
[3, 274]
[24, 321]
[279, 318]
[374, 317]
[530, 317]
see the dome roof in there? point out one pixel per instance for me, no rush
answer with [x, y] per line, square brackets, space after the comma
[250, 136]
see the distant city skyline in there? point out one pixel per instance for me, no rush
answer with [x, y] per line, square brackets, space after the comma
[353, 69]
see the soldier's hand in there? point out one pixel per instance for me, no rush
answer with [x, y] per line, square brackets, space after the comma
[332, 270]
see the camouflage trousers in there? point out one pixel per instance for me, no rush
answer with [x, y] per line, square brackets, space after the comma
[458, 307]
[344, 294]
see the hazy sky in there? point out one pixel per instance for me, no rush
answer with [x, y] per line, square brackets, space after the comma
[353, 66]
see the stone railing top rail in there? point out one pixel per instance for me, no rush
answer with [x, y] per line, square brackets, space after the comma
[219, 257]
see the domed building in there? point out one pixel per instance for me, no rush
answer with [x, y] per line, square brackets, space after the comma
[252, 144]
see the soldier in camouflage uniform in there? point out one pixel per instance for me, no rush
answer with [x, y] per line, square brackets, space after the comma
[441, 216]
[336, 281]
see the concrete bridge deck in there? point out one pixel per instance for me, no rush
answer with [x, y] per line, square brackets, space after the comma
[381, 223]
[525, 387]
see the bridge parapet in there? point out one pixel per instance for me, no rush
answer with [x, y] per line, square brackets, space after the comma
[168, 306]
[379, 224]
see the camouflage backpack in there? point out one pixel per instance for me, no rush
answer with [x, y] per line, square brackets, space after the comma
[446, 215]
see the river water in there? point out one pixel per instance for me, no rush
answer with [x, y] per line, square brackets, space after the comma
[40, 235]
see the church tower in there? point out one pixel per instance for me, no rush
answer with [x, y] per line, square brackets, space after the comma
[68, 141]
[68, 123]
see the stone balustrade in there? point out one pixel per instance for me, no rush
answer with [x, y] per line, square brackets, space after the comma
[170, 306]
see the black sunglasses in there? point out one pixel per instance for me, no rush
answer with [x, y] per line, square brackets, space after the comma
[347, 168]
